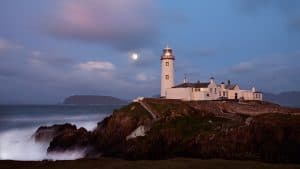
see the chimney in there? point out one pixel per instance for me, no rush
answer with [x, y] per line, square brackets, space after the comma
[185, 79]
[223, 85]
[228, 82]
[212, 80]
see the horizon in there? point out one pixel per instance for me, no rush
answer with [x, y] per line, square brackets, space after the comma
[54, 49]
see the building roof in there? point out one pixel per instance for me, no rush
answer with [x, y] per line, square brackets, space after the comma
[193, 85]
[230, 86]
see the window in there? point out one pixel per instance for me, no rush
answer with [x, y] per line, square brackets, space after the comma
[220, 93]
[207, 95]
[167, 63]
[224, 94]
[210, 90]
[167, 77]
[215, 90]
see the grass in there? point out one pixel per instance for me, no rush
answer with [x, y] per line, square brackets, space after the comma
[134, 110]
[161, 108]
[177, 163]
[188, 126]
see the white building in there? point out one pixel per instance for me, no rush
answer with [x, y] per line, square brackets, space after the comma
[167, 71]
[199, 90]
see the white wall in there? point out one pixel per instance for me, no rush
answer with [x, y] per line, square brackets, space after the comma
[200, 95]
[179, 93]
[166, 70]
[257, 96]
[245, 94]
[213, 91]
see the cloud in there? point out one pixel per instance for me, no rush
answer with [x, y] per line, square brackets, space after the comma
[271, 73]
[141, 77]
[242, 67]
[289, 6]
[5, 44]
[96, 65]
[121, 24]
[289, 9]
[295, 23]
[62, 76]
[144, 77]
[36, 53]
[146, 58]
[205, 52]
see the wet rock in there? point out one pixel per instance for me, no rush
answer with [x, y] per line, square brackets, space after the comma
[204, 129]
[47, 133]
[70, 140]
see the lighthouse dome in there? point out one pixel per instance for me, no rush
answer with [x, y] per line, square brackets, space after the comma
[167, 54]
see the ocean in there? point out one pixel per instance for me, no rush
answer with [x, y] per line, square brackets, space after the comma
[19, 122]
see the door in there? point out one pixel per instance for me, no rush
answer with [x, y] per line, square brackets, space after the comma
[236, 96]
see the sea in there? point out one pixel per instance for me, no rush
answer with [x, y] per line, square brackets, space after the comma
[19, 122]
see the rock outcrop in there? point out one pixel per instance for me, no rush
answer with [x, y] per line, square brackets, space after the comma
[63, 137]
[249, 130]
[46, 134]
[78, 139]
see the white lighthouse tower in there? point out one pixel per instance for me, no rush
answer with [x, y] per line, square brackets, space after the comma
[167, 71]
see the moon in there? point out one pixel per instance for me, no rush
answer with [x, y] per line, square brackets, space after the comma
[134, 56]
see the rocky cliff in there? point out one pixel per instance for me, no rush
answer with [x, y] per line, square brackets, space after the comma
[202, 129]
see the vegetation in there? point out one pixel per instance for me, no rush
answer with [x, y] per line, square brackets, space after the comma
[133, 110]
[189, 126]
[210, 129]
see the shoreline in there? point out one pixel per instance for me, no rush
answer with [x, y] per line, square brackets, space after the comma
[174, 163]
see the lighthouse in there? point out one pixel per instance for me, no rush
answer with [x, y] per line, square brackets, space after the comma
[167, 71]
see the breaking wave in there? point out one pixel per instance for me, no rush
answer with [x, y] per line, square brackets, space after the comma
[16, 143]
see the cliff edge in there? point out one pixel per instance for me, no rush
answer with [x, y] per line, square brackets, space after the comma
[251, 130]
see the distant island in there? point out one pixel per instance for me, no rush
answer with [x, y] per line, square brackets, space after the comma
[93, 99]
[290, 98]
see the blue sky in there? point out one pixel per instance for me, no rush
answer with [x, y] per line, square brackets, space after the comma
[55, 48]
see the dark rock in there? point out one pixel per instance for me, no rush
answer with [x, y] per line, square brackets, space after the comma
[46, 134]
[109, 137]
[70, 140]
[208, 129]
[248, 130]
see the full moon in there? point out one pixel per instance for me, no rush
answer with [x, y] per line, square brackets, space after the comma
[134, 56]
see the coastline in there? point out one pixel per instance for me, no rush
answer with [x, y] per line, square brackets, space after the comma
[114, 163]
[155, 129]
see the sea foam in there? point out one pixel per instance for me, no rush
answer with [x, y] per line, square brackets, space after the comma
[18, 144]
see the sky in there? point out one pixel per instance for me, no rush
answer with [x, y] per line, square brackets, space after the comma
[52, 49]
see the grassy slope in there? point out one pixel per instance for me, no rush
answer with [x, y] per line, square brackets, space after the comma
[108, 163]
[134, 110]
